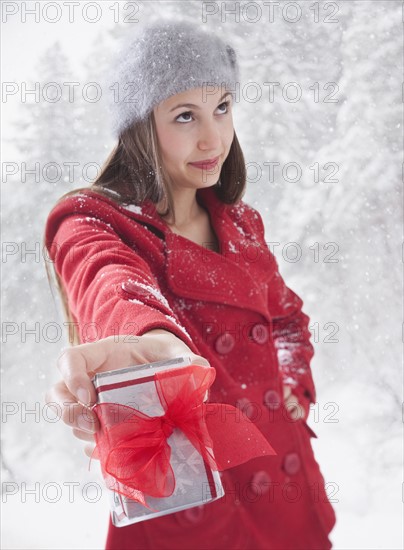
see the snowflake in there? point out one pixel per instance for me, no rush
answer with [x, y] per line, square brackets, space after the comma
[173, 320]
[240, 230]
[133, 208]
[155, 292]
[290, 380]
[134, 301]
[232, 248]
[183, 305]
[284, 356]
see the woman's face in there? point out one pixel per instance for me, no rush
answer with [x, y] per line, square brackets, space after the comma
[195, 126]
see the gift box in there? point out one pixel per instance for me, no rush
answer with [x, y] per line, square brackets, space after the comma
[195, 482]
[161, 444]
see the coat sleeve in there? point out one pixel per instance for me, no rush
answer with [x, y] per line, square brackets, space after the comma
[291, 337]
[110, 288]
[290, 331]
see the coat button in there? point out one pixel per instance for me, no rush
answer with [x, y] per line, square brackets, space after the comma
[260, 482]
[225, 343]
[291, 463]
[259, 333]
[132, 288]
[272, 399]
[246, 407]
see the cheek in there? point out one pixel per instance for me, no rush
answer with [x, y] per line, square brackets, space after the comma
[171, 145]
[177, 147]
[229, 138]
[166, 135]
[176, 152]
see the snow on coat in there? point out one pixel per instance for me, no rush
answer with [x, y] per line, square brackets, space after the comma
[126, 272]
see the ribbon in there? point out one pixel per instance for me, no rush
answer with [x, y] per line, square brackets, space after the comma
[133, 447]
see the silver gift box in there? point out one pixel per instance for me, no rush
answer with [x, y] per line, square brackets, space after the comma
[195, 482]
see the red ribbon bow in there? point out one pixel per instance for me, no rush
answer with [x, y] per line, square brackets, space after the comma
[133, 448]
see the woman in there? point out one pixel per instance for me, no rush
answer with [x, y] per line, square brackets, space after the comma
[160, 258]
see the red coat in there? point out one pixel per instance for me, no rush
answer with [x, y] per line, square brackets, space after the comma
[126, 272]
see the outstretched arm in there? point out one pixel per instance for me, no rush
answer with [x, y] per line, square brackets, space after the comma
[111, 288]
[113, 295]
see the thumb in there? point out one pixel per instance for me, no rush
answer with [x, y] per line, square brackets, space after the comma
[78, 365]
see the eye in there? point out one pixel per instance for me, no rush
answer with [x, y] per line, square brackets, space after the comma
[226, 103]
[188, 113]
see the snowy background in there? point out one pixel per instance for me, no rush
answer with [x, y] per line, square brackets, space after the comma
[335, 192]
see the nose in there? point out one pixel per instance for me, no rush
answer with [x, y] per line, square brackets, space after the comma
[209, 136]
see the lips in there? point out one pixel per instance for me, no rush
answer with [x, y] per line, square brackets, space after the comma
[206, 164]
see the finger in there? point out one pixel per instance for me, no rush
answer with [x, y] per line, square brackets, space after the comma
[170, 346]
[76, 365]
[292, 400]
[151, 347]
[293, 405]
[286, 391]
[85, 420]
[72, 413]
[155, 347]
[294, 408]
[84, 436]
[79, 364]
[89, 451]
[297, 412]
[199, 360]
[59, 399]
[59, 393]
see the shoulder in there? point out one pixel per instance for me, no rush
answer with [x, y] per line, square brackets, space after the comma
[83, 201]
[87, 202]
[247, 217]
[91, 209]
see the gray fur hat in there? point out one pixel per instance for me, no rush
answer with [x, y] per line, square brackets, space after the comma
[164, 59]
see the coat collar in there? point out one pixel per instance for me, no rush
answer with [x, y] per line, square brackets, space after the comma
[237, 275]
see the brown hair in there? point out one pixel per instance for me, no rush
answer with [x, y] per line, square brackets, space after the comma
[134, 171]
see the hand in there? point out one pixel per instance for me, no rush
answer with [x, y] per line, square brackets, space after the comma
[295, 409]
[75, 394]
